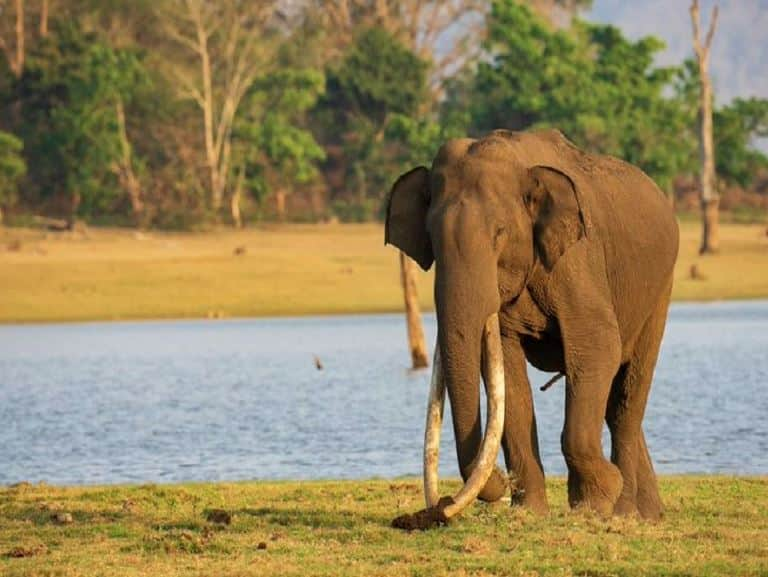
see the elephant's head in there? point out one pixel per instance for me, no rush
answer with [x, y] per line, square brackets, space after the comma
[485, 220]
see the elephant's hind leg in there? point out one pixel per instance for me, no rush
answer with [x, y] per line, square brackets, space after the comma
[649, 503]
[626, 408]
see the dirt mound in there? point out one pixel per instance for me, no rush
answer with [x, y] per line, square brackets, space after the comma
[424, 519]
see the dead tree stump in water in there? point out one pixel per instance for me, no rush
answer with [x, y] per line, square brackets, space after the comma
[416, 343]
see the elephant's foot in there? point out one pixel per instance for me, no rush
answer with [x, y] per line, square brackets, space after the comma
[640, 495]
[626, 507]
[595, 485]
[495, 488]
[534, 501]
[649, 503]
[530, 494]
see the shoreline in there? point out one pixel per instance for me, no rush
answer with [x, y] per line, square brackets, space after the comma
[416, 480]
[297, 316]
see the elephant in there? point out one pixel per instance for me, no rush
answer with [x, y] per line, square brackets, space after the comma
[545, 253]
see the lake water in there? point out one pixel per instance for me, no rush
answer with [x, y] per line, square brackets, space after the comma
[242, 399]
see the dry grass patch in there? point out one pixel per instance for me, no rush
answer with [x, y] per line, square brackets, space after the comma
[273, 270]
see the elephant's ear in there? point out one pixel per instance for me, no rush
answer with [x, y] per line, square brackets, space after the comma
[558, 220]
[407, 216]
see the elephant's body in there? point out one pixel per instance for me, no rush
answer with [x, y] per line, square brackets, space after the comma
[607, 188]
[575, 252]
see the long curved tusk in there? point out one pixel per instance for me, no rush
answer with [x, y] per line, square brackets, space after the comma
[432, 431]
[489, 450]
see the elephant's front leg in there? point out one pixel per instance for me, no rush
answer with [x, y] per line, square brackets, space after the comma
[592, 350]
[592, 356]
[593, 481]
[520, 440]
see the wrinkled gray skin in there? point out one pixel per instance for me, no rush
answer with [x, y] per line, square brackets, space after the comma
[576, 253]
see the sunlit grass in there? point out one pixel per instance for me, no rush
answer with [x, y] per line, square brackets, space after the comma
[286, 270]
[712, 526]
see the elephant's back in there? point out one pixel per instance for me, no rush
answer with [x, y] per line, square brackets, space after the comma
[624, 211]
[633, 217]
[616, 196]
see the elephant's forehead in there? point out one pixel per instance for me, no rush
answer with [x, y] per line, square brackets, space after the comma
[520, 149]
[479, 173]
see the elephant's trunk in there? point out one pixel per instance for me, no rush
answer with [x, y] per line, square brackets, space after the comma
[477, 466]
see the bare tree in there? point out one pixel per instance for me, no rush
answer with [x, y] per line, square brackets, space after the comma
[234, 200]
[559, 12]
[224, 39]
[446, 33]
[123, 168]
[15, 52]
[454, 26]
[44, 13]
[710, 199]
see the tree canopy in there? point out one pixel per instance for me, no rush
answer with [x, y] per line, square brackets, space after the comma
[175, 113]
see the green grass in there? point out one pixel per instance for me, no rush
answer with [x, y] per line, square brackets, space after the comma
[712, 526]
[286, 270]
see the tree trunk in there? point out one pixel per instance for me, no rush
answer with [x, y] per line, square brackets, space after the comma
[207, 104]
[710, 199]
[126, 175]
[280, 204]
[710, 238]
[44, 19]
[74, 206]
[234, 202]
[18, 65]
[416, 342]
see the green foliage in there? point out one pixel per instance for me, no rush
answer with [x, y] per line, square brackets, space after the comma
[373, 101]
[12, 168]
[589, 81]
[378, 77]
[420, 138]
[71, 87]
[535, 74]
[735, 128]
[272, 148]
[347, 108]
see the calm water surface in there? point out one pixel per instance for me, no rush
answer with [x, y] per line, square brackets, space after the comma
[213, 400]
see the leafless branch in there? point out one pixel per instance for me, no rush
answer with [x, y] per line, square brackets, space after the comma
[712, 26]
[702, 50]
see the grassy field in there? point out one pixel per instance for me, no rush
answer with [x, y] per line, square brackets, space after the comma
[283, 270]
[712, 526]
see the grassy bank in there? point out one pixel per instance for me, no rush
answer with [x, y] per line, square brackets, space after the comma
[281, 270]
[713, 526]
